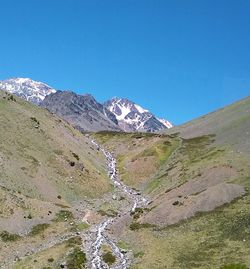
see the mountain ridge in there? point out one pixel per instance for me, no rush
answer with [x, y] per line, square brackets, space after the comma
[26, 88]
[132, 117]
[135, 119]
[82, 111]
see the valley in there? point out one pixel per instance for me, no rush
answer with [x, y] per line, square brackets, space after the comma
[177, 199]
[101, 238]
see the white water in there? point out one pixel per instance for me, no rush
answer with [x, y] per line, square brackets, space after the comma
[101, 237]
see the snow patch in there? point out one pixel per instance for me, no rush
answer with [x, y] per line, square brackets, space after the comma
[140, 109]
[165, 123]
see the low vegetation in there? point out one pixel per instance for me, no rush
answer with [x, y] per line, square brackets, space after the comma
[74, 241]
[108, 213]
[82, 226]
[38, 229]
[63, 215]
[109, 258]
[6, 236]
[76, 259]
[137, 212]
[136, 226]
[234, 266]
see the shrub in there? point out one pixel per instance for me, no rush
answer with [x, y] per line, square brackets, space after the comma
[76, 259]
[75, 156]
[82, 226]
[108, 213]
[6, 236]
[108, 258]
[39, 228]
[63, 214]
[11, 98]
[74, 241]
[136, 226]
[35, 120]
[137, 213]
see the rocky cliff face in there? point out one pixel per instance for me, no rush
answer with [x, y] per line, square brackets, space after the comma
[82, 111]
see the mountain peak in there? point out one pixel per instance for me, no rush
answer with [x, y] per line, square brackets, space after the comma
[20, 80]
[26, 88]
[133, 117]
[82, 111]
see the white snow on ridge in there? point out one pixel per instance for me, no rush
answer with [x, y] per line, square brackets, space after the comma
[132, 117]
[21, 80]
[166, 123]
[140, 109]
[27, 88]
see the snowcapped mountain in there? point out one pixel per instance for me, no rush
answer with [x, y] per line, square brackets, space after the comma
[166, 123]
[27, 89]
[132, 117]
[83, 111]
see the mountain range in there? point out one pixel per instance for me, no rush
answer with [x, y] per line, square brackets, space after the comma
[83, 111]
[59, 187]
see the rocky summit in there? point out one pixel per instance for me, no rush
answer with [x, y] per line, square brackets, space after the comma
[132, 117]
[82, 111]
[26, 88]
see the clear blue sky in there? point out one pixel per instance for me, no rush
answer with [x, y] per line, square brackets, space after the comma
[178, 58]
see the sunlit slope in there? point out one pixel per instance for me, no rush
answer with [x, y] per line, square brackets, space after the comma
[198, 182]
[231, 125]
[43, 159]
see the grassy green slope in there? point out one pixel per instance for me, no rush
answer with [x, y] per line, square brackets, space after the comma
[46, 167]
[186, 225]
[231, 125]
[36, 154]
